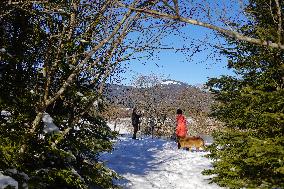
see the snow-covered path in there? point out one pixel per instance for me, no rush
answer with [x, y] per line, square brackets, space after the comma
[157, 164]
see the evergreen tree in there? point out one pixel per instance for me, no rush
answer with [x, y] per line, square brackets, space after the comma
[55, 57]
[40, 159]
[250, 151]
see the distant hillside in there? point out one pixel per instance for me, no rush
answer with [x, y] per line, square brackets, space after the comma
[177, 93]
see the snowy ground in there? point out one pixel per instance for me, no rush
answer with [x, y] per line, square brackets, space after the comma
[156, 164]
[7, 181]
[151, 164]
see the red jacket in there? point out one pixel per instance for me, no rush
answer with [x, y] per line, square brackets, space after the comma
[181, 129]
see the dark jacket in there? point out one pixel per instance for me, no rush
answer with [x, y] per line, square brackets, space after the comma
[135, 119]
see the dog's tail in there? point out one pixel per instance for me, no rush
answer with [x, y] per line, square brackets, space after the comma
[203, 144]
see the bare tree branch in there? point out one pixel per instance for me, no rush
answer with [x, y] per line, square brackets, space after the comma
[77, 70]
[271, 11]
[176, 7]
[226, 32]
[279, 15]
[106, 74]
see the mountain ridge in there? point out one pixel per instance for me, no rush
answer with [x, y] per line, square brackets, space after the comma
[176, 92]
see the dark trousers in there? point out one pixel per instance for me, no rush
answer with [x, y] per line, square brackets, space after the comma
[135, 131]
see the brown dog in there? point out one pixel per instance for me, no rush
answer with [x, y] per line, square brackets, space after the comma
[190, 141]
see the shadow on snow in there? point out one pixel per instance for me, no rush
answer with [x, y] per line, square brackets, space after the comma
[135, 157]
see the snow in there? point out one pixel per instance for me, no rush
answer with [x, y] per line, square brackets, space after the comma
[49, 126]
[121, 126]
[149, 163]
[156, 164]
[189, 120]
[7, 181]
[5, 113]
[168, 82]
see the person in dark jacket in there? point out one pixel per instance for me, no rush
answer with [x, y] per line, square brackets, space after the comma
[135, 122]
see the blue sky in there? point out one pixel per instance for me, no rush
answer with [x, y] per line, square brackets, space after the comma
[174, 65]
[171, 67]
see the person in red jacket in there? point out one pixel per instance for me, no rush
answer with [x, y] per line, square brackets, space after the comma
[181, 129]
